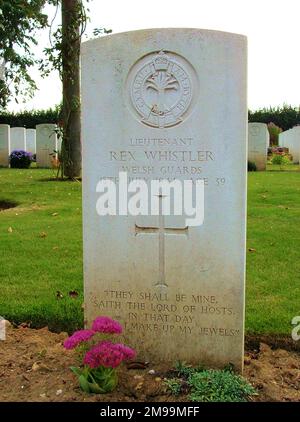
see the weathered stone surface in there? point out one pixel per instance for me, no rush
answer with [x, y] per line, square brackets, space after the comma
[291, 139]
[258, 142]
[4, 145]
[17, 139]
[179, 291]
[46, 144]
[31, 141]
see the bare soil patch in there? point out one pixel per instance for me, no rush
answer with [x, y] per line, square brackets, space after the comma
[34, 366]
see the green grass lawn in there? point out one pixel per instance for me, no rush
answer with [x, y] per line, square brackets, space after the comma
[41, 250]
[285, 167]
[43, 253]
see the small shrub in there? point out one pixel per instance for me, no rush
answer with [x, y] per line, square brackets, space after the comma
[251, 166]
[219, 386]
[274, 132]
[20, 159]
[183, 369]
[174, 385]
[280, 159]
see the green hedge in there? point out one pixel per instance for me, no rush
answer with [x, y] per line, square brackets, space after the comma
[30, 119]
[285, 117]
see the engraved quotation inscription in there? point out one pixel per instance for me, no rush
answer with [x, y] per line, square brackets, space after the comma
[167, 312]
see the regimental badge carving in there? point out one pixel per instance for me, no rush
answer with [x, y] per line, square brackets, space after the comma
[254, 130]
[161, 89]
[47, 131]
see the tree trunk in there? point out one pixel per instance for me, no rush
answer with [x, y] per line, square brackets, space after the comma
[71, 145]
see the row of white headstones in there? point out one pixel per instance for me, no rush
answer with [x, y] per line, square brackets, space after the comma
[42, 141]
[259, 141]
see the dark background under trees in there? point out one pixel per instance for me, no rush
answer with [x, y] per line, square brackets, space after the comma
[285, 117]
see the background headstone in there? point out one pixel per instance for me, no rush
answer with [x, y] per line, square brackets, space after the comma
[4, 145]
[46, 144]
[282, 137]
[291, 139]
[17, 139]
[168, 103]
[258, 142]
[31, 140]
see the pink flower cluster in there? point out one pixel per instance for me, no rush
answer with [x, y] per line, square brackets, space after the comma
[77, 338]
[107, 325]
[101, 324]
[108, 354]
[105, 353]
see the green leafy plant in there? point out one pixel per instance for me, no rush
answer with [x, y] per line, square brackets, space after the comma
[280, 159]
[210, 385]
[185, 370]
[219, 386]
[174, 385]
[99, 381]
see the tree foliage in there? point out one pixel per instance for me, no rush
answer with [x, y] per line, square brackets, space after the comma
[19, 22]
[31, 118]
[285, 116]
[60, 44]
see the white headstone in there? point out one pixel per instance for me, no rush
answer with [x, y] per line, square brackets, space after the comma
[17, 139]
[291, 139]
[31, 140]
[168, 103]
[4, 145]
[282, 138]
[258, 142]
[46, 144]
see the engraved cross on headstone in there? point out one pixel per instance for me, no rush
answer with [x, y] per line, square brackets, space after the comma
[162, 232]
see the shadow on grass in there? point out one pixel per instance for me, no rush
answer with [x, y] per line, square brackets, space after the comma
[54, 179]
[64, 316]
[7, 204]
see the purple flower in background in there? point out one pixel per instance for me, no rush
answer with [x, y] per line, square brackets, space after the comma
[20, 159]
[77, 338]
[103, 324]
[20, 153]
